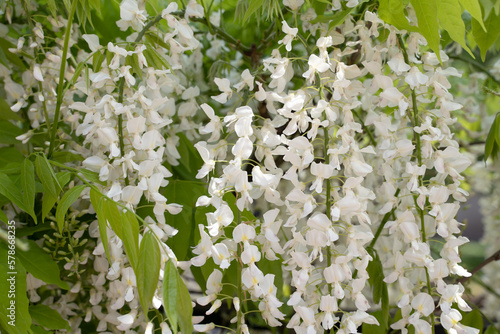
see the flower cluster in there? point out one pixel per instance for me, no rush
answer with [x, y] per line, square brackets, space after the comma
[330, 163]
[352, 160]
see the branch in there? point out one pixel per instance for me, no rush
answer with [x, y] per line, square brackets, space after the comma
[477, 65]
[222, 34]
[492, 258]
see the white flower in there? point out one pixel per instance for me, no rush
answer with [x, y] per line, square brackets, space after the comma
[290, 35]
[415, 78]
[214, 126]
[293, 4]
[131, 15]
[37, 73]
[243, 233]
[193, 9]
[248, 80]
[423, 304]
[93, 41]
[316, 64]
[397, 64]
[224, 87]
[242, 118]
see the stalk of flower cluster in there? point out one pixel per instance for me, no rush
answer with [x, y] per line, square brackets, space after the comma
[60, 85]
[40, 86]
[239, 266]
[121, 87]
[328, 203]
[416, 137]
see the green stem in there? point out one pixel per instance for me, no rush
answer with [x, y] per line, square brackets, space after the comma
[121, 87]
[239, 265]
[384, 221]
[222, 34]
[44, 106]
[147, 26]
[416, 140]
[328, 199]
[365, 128]
[60, 85]
[40, 87]
[328, 182]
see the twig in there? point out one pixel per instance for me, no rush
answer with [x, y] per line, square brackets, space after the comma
[492, 258]
[225, 36]
[477, 65]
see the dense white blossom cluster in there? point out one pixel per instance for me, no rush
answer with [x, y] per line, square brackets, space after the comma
[339, 181]
[349, 159]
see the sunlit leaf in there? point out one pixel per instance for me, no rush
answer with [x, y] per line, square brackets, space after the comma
[41, 265]
[486, 39]
[148, 270]
[450, 19]
[427, 16]
[66, 201]
[48, 317]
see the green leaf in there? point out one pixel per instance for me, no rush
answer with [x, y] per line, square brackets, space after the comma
[39, 330]
[191, 160]
[473, 319]
[5, 112]
[48, 200]
[427, 16]
[28, 186]
[22, 317]
[319, 6]
[450, 19]
[113, 216]
[375, 329]
[47, 177]
[253, 7]
[154, 7]
[130, 233]
[185, 308]
[496, 128]
[91, 176]
[3, 217]
[10, 190]
[471, 254]
[63, 157]
[27, 231]
[12, 58]
[75, 77]
[379, 287]
[96, 4]
[48, 318]
[491, 330]
[486, 39]
[97, 199]
[185, 193]
[158, 58]
[170, 293]
[97, 60]
[474, 9]
[392, 12]
[47, 204]
[491, 146]
[52, 7]
[148, 270]
[66, 201]
[273, 267]
[40, 265]
[63, 178]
